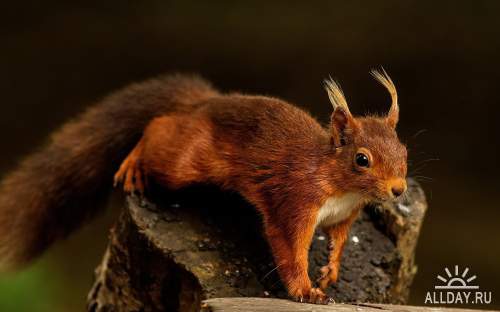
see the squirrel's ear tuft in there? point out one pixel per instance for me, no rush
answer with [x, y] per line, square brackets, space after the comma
[336, 95]
[342, 124]
[384, 79]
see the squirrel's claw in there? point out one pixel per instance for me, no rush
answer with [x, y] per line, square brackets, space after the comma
[314, 295]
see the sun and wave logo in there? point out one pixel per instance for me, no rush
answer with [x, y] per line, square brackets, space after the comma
[457, 287]
[459, 280]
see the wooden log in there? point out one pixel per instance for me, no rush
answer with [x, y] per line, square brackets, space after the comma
[278, 305]
[200, 243]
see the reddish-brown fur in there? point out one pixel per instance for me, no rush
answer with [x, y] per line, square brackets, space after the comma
[274, 154]
[280, 159]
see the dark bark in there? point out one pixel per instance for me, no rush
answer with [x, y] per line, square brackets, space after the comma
[200, 243]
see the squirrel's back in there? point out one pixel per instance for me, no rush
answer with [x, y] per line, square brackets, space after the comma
[54, 190]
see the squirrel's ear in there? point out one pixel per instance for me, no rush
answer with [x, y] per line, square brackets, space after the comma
[393, 117]
[342, 124]
[384, 79]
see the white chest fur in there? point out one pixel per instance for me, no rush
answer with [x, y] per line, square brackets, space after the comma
[336, 209]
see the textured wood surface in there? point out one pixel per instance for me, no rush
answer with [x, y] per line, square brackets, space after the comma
[279, 305]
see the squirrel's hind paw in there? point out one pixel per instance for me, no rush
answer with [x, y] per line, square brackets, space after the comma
[131, 176]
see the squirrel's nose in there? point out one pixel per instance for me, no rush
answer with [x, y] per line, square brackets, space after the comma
[397, 191]
[398, 187]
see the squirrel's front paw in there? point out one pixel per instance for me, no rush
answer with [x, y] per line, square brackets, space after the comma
[329, 275]
[313, 295]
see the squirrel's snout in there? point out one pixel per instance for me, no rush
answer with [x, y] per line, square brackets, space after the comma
[396, 191]
[397, 187]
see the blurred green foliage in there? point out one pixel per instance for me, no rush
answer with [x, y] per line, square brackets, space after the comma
[35, 289]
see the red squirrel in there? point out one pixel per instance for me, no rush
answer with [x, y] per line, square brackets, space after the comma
[178, 130]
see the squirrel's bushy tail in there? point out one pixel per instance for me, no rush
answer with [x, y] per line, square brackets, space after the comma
[54, 190]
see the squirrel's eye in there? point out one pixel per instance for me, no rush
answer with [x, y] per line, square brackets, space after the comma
[362, 160]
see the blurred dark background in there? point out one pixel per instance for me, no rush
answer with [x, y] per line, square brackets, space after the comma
[56, 58]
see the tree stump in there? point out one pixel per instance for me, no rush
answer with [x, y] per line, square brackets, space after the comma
[177, 249]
